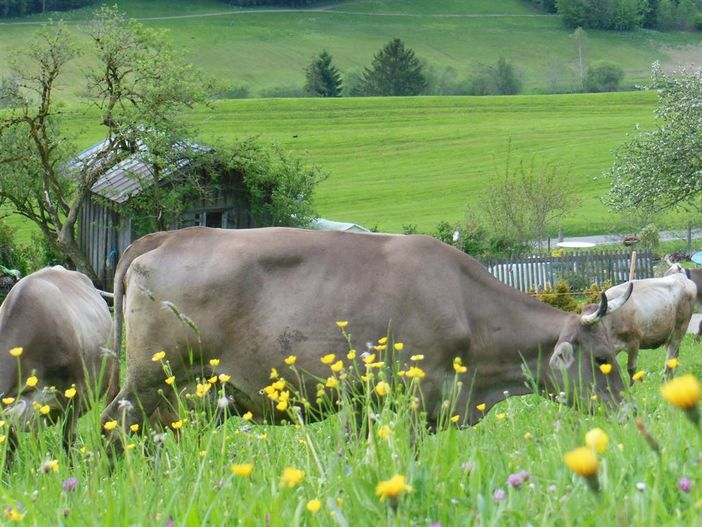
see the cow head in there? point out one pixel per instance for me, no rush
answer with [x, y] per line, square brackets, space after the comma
[582, 348]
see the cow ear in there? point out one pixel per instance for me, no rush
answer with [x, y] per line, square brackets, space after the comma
[563, 356]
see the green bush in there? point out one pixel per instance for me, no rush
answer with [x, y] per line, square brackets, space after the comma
[603, 76]
[559, 296]
[649, 238]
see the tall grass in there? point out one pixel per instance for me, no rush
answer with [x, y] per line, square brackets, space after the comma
[458, 476]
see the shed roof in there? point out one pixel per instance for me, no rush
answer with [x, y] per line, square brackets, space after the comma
[123, 180]
[320, 224]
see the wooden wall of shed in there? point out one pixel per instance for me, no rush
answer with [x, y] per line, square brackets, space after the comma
[101, 230]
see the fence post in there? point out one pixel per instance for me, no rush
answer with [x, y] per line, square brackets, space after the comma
[632, 266]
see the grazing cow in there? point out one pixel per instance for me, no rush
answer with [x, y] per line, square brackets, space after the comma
[657, 313]
[259, 295]
[56, 323]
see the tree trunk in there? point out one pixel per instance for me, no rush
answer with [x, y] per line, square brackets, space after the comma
[69, 248]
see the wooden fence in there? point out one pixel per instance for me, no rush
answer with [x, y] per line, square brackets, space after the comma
[580, 269]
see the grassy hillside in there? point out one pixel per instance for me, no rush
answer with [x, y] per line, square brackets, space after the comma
[268, 50]
[420, 160]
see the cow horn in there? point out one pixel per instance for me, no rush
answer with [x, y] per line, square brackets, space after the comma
[607, 306]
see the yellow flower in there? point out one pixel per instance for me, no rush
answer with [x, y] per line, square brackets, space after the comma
[202, 453]
[274, 374]
[606, 368]
[212, 379]
[392, 488]
[582, 461]
[384, 432]
[314, 505]
[376, 365]
[382, 340]
[202, 389]
[45, 409]
[247, 416]
[291, 477]
[382, 388]
[214, 362]
[528, 436]
[158, 356]
[351, 355]
[134, 427]
[224, 378]
[279, 385]
[110, 425]
[481, 407]
[415, 372]
[597, 439]
[417, 358]
[638, 375]
[32, 381]
[399, 346]
[328, 359]
[70, 393]
[177, 425]
[8, 400]
[169, 380]
[342, 323]
[290, 360]
[242, 470]
[501, 416]
[16, 352]
[282, 406]
[455, 418]
[13, 514]
[369, 358]
[672, 363]
[337, 366]
[682, 392]
[458, 365]
[332, 382]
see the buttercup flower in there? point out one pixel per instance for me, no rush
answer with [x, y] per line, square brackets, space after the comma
[134, 427]
[383, 340]
[14, 513]
[481, 407]
[290, 360]
[44, 409]
[177, 425]
[337, 366]
[8, 400]
[683, 392]
[583, 462]
[606, 368]
[597, 439]
[110, 425]
[32, 381]
[455, 418]
[291, 477]
[214, 362]
[458, 365]
[351, 355]
[70, 393]
[170, 380]
[224, 378]
[158, 356]
[247, 416]
[639, 375]
[51, 465]
[16, 352]
[672, 363]
[384, 432]
[342, 323]
[328, 359]
[332, 382]
[382, 388]
[242, 470]
[415, 372]
[392, 488]
[417, 358]
[314, 505]
[501, 416]
[399, 346]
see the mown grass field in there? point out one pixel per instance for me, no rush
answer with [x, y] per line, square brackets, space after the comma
[268, 50]
[421, 160]
[458, 476]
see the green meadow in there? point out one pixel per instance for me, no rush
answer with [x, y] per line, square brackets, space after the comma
[267, 50]
[421, 160]
[243, 473]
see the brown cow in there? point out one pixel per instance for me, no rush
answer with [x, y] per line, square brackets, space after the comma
[61, 324]
[259, 295]
[657, 313]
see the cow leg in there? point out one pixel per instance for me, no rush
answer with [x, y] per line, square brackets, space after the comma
[632, 359]
[672, 350]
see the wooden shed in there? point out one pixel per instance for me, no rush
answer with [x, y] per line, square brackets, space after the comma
[105, 231]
